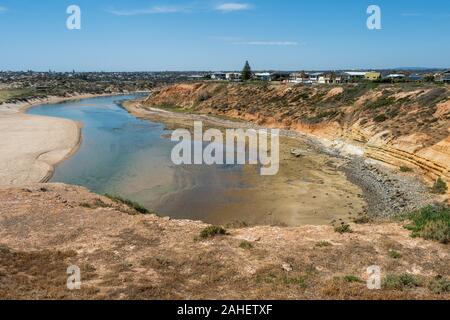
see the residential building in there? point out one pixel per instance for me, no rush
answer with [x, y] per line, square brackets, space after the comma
[279, 76]
[372, 76]
[314, 77]
[263, 76]
[396, 77]
[353, 76]
[299, 77]
[233, 76]
[416, 77]
[218, 76]
[195, 77]
[443, 77]
[329, 78]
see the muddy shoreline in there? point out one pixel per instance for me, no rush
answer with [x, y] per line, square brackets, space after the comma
[386, 192]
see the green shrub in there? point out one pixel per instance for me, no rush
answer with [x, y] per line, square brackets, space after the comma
[343, 228]
[431, 223]
[405, 169]
[439, 186]
[437, 231]
[401, 281]
[394, 254]
[381, 102]
[322, 244]
[299, 281]
[212, 231]
[351, 278]
[439, 285]
[203, 97]
[245, 245]
[362, 218]
[134, 205]
[96, 204]
[380, 118]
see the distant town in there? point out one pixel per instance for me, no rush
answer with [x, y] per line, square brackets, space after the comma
[332, 77]
[18, 86]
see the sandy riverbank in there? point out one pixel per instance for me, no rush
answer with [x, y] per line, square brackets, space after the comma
[32, 145]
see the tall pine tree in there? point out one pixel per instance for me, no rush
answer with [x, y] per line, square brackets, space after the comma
[246, 72]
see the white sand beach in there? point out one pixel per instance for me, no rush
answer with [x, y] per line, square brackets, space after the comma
[31, 145]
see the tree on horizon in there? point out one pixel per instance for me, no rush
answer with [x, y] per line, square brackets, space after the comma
[246, 72]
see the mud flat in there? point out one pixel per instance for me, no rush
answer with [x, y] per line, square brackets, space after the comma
[384, 192]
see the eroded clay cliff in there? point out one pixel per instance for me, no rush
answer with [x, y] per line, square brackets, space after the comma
[399, 124]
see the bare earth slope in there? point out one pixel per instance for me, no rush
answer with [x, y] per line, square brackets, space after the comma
[401, 124]
[46, 228]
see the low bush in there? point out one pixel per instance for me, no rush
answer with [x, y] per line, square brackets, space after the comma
[362, 218]
[380, 118]
[300, 281]
[212, 231]
[394, 254]
[439, 285]
[343, 228]
[439, 186]
[401, 281]
[134, 205]
[323, 244]
[405, 169]
[245, 245]
[431, 223]
[351, 278]
[381, 102]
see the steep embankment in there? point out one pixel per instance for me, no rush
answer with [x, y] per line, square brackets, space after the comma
[401, 124]
[121, 254]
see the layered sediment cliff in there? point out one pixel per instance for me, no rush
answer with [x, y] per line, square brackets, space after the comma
[399, 124]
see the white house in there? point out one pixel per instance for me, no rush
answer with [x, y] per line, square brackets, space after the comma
[314, 77]
[263, 76]
[443, 77]
[233, 76]
[329, 78]
[354, 75]
[395, 76]
[218, 76]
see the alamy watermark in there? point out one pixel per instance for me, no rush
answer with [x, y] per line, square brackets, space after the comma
[73, 22]
[374, 20]
[374, 279]
[74, 279]
[239, 147]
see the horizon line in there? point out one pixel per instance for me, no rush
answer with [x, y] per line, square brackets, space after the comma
[224, 70]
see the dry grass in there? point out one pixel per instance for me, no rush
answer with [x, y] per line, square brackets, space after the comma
[124, 256]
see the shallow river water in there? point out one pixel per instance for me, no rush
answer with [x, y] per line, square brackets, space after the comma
[123, 155]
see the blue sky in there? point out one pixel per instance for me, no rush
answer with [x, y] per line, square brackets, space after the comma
[139, 35]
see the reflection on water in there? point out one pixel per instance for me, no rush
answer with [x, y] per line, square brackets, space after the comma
[123, 155]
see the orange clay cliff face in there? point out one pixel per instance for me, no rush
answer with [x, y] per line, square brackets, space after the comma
[398, 124]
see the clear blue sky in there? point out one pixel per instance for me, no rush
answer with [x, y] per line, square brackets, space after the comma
[152, 35]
